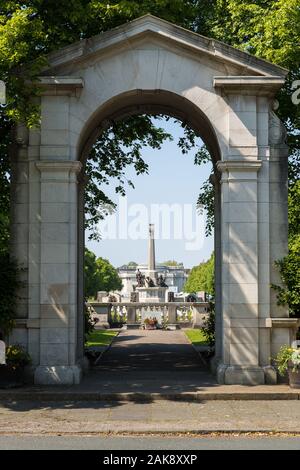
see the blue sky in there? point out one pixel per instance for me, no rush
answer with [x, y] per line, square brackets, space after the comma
[173, 179]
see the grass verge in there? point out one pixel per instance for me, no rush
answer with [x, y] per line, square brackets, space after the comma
[196, 337]
[100, 338]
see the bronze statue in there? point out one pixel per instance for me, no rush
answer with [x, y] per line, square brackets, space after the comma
[140, 279]
[149, 282]
[161, 281]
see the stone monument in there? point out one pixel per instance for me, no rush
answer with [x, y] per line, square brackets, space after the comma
[151, 288]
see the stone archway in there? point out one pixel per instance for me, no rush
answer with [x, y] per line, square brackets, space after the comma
[226, 95]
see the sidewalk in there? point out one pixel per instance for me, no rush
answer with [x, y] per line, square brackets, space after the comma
[149, 382]
[69, 418]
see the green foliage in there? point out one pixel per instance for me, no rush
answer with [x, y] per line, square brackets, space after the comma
[100, 338]
[289, 293]
[99, 275]
[289, 266]
[164, 320]
[132, 264]
[190, 315]
[287, 357]
[89, 322]
[201, 278]
[10, 283]
[171, 263]
[271, 30]
[206, 201]
[196, 336]
[209, 326]
[5, 141]
[117, 148]
[118, 317]
[17, 357]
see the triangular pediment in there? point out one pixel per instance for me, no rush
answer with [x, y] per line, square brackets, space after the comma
[154, 28]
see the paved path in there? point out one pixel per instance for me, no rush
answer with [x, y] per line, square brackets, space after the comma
[147, 443]
[151, 350]
[151, 365]
[150, 361]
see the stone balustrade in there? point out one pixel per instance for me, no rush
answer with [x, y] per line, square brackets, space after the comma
[136, 312]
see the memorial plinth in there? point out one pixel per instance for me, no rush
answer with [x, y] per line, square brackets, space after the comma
[152, 294]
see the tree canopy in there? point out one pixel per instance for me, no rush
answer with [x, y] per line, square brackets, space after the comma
[289, 266]
[99, 275]
[201, 277]
[171, 262]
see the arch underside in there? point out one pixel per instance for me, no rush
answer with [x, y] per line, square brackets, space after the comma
[148, 102]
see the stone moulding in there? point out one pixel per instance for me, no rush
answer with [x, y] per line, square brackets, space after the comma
[282, 322]
[60, 85]
[259, 86]
[58, 166]
[244, 165]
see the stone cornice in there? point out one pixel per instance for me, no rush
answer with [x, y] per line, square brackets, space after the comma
[56, 85]
[239, 165]
[285, 322]
[261, 86]
[59, 166]
[151, 25]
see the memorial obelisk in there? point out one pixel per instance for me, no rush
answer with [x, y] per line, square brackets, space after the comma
[151, 254]
[149, 291]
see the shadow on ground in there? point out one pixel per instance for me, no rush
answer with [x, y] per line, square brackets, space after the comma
[144, 365]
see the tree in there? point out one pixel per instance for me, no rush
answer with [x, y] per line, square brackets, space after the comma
[108, 275]
[117, 148]
[201, 277]
[171, 263]
[289, 266]
[132, 264]
[269, 29]
[99, 275]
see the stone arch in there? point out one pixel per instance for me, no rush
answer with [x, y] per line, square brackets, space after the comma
[150, 102]
[223, 93]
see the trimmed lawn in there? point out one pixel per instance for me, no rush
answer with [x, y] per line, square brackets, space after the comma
[100, 338]
[196, 336]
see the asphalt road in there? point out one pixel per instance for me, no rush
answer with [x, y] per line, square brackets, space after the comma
[147, 443]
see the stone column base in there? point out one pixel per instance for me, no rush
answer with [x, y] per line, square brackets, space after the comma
[246, 375]
[57, 375]
[214, 364]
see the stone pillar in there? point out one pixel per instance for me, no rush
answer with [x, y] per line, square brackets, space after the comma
[217, 359]
[278, 219]
[58, 273]
[80, 279]
[172, 313]
[131, 314]
[239, 229]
